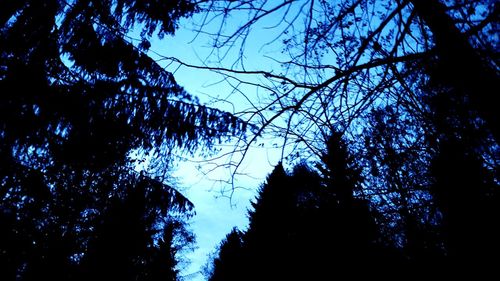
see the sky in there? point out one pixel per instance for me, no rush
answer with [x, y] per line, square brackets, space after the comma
[218, 209]
[216, 213]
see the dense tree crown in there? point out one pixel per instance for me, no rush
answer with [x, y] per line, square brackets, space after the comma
[306, 226]
[77, 97]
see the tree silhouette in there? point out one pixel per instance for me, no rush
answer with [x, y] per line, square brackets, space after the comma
[79, 96]
[348, 221]
[462, 66]
[269, 240]
[230, 261]
[467, 196]
[398, 182]
[134, 238]
[309, 226]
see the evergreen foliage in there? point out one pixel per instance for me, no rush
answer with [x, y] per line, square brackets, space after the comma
[78, 95]
[308, 226]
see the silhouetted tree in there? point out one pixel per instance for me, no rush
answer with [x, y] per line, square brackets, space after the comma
[307, 226]
[464, 64]
[135, 236]
[398, 182]
[78, 97]
[462, 134]
[465, 191]
[230, 262]
[347, 224]
[267, 249]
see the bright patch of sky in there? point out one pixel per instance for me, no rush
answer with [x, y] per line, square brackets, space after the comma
[209, 185]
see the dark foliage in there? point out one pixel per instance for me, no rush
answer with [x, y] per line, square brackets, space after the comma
[230, 262]
[420, 201]
[329, 226]
[120, 220]
[76, 98]
[459, 66]
[398, 180]
[465, 187]
[309, 226]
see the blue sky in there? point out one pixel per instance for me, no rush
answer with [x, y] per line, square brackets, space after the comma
[216, 213]
[203, 182]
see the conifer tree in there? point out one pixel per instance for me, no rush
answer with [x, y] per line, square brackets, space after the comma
[78, 96]
[230, 261]
[310, 226]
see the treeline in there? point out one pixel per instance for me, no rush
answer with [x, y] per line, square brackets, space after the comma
[326, 222]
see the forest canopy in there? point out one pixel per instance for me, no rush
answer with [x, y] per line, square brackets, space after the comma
[383, 111]
[78, 97]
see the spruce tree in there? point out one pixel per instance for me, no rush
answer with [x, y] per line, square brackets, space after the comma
[78, 96]
[231, 259]
[307, 225]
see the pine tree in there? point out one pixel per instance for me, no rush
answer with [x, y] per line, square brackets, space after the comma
[230, 261]
[266, 243]
[78, 96]
[352, 235]
[310, 226]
